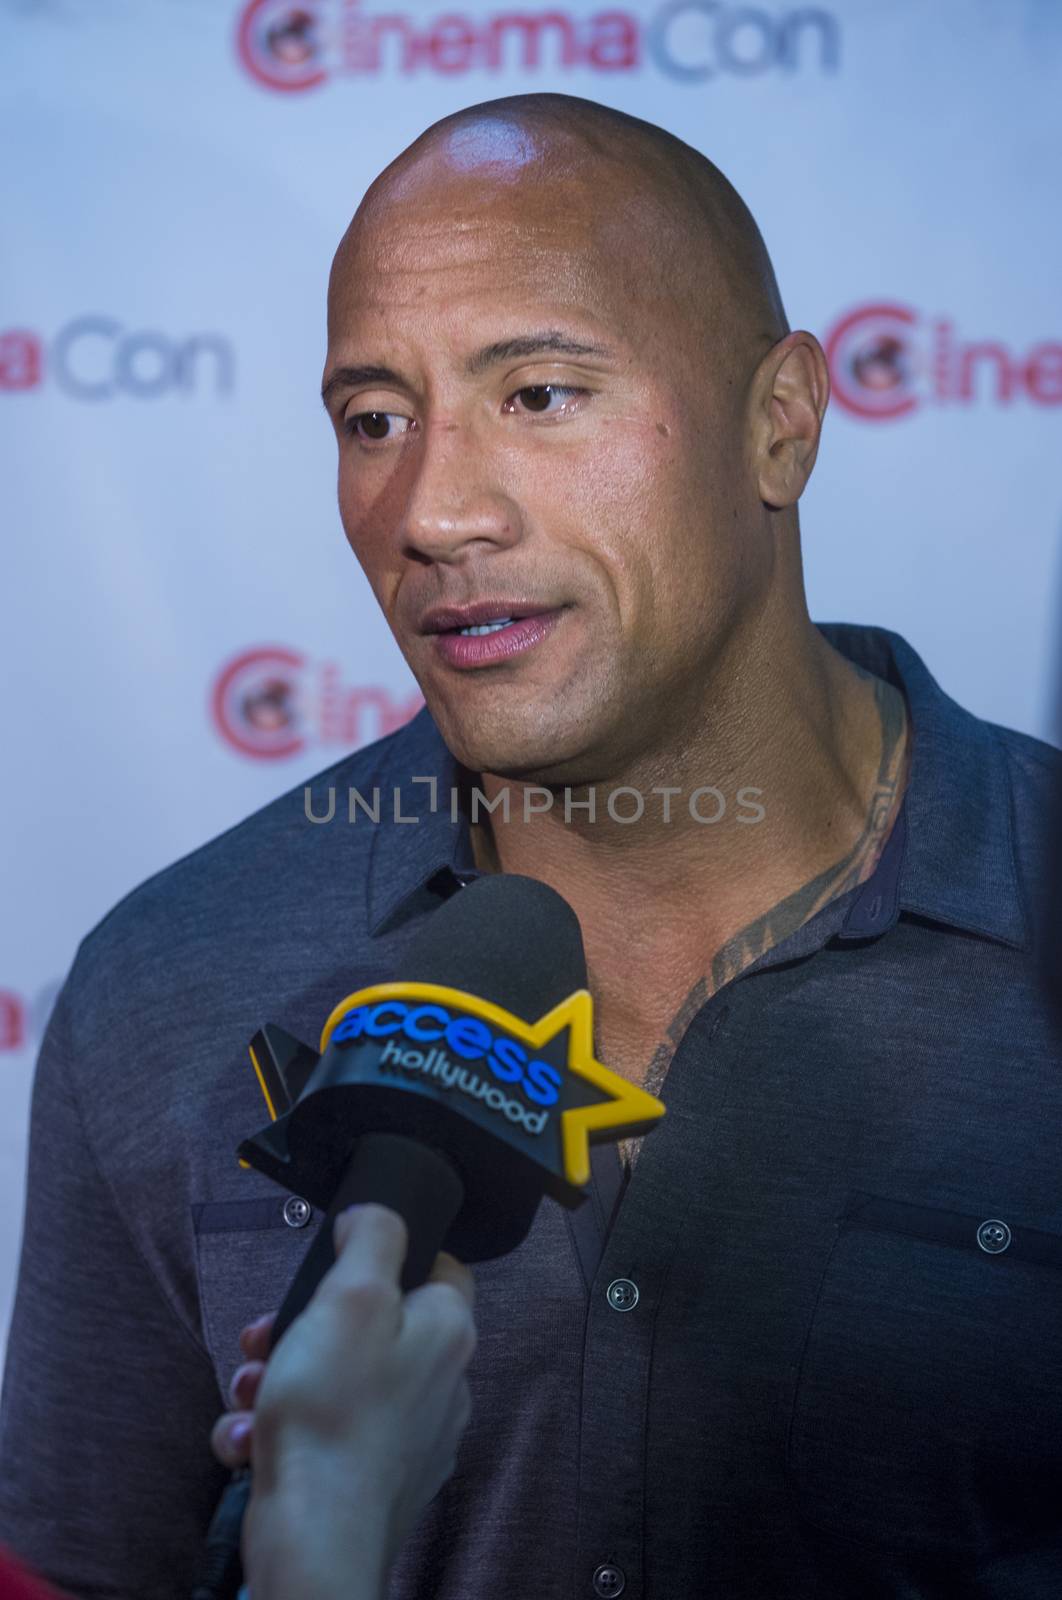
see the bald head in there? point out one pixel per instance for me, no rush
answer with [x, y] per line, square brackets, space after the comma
[668, 216]
[563, 388]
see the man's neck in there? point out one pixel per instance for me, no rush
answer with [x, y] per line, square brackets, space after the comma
[673, 913]
[783, 803]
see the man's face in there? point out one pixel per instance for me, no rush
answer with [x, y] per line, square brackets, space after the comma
[598, 497]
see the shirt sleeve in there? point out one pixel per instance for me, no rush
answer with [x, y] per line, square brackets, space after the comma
[107, 1481]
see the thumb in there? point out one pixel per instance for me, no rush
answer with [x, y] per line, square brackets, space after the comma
[343, 1226]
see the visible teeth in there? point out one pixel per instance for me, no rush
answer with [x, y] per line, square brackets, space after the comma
[485, 627]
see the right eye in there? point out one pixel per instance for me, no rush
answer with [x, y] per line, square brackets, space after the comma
[376, 427]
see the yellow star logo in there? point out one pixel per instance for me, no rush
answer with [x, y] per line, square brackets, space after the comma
[623, 1109]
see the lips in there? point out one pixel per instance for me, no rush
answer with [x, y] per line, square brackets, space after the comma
[448, 619]
[472, 644]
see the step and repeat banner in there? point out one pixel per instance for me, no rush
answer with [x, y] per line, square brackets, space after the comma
[184, 631]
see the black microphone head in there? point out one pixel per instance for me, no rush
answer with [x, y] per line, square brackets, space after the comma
[487, 1098]
[510, 939]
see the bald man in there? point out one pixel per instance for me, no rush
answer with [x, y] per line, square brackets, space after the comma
[802, 1345]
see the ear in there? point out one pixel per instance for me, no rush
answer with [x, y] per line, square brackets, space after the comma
[789, 393]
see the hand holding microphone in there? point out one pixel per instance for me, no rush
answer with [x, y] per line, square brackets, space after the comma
[356, 1417]
[457, 1095]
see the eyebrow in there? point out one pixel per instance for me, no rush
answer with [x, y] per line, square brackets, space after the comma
[525, 344]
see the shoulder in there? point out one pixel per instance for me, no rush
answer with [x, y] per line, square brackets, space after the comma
[1033, 759]
[1034, 769]
[260, 896]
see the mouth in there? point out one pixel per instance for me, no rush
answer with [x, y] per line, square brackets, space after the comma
[481, 616]
[486, 627]
[489, 631]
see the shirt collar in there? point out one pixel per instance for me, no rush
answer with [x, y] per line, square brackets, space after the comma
[949, 857]
[422, 845]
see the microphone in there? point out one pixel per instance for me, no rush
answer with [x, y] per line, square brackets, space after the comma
[459, 1096]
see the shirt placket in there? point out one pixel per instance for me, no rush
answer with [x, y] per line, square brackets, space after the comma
[624, 1296]
[635, 1256]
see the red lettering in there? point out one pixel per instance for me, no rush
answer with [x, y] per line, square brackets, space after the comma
[20, 360]
[375, 706]
[1043, 374]
[12, 1021]
[531, 29]
[410, 41]
[999, 356]
[954, 371]
[360, 52]
[613, 42]
[451, 43]
[353, 716]
[942, 359]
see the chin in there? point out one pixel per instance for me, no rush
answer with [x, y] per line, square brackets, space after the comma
[527, 755]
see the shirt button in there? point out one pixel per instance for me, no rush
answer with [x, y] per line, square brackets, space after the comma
[297, 1212]
[622, 1296]
[993, 1236]
[609, 1580]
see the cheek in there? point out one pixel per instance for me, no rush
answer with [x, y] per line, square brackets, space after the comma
[367, 524]
[352, 515]
[663, 507]
[629, 500]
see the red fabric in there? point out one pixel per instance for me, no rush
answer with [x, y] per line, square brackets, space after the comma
[17, 1583]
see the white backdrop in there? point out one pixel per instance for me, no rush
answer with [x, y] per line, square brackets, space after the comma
[184, 631]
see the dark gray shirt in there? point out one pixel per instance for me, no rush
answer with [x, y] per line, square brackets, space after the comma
[811, 1352]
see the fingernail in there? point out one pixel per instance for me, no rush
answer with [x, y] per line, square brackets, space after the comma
[239, 1431]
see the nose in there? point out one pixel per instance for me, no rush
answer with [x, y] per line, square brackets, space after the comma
[455, 506]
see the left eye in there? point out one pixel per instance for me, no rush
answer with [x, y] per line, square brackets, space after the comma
[537, 397]
[375, 427]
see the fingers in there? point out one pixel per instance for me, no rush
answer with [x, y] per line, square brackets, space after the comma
[230, 1438]
[438, 1318]
[244, 1385]
[255, 1338]
[371, 1242]
[448, 1269]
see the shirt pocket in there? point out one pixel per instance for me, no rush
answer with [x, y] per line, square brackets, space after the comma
[927, 1413]
[247, 1254]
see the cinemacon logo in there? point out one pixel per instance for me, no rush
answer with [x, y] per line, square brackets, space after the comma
[98, 358]
[270, 703]
[887, 361]
[295, 47]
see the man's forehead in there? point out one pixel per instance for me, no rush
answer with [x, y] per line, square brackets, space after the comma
[414, 257]
[460, 208]
[464, 287]
[549, 231]
[477, 327]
